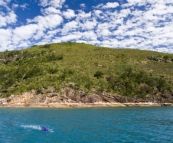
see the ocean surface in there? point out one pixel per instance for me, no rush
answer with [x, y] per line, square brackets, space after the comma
[87, 125]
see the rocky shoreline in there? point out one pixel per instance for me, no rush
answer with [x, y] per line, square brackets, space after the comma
[68, 98]
[82, 105]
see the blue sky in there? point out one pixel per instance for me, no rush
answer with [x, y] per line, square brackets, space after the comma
[139, 24]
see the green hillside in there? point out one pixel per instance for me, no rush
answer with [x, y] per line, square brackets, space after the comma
[125, 72]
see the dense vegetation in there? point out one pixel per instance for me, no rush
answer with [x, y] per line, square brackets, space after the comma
[126, 72]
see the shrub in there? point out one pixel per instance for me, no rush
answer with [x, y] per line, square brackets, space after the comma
[98, 74]
[54, 57]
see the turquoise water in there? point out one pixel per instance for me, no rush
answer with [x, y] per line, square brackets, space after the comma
[87, 125]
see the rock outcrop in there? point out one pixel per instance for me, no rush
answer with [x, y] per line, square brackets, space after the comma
[68, 95]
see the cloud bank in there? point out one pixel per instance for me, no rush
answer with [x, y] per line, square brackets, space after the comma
[140, 24]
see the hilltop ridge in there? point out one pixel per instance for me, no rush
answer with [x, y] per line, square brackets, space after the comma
[128, 74]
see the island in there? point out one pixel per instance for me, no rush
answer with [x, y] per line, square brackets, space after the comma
[82, 75]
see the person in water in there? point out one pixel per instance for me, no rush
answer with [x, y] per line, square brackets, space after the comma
[44, 128]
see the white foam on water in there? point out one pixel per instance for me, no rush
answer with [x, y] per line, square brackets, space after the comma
[35, 127]
[50, 130]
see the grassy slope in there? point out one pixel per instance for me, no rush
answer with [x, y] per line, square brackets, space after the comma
[126, 72]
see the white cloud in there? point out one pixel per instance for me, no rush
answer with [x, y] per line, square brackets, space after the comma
[3, 21]
[49, 36]
[98, 6]
[97, 13]
[53, 32]
[50, 10]
[69, 14]
[81, 41]
[43, 42]
[70, 26]
[82, 5]
[82, 15]
[136, 2]
[38, 34]
[24, 6]
[66, 6]
[15, 6]
[23, 44]
[5, 39]
[89, 35]
[124, 13]
[105, 32]
[4, 2]
[53, 3]
[24, 33]
[110, 5]
[129, 26]
[94, 42]
[70, 37]
[48, 21]
[88, 25]
[9, 18]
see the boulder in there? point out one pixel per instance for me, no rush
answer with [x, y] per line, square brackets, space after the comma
[3, 101]
[91, 98]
